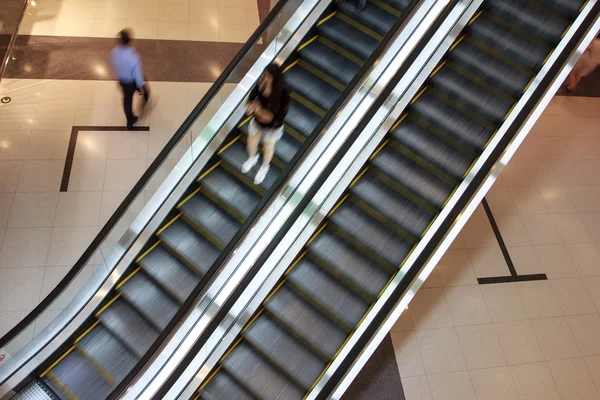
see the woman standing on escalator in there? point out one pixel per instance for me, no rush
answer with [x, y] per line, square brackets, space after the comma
[268, 101]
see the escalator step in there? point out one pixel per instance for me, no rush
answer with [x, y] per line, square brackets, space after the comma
[461, 89]
[432, 149]
[171, 273]
[532, 19]
[392, 205]
[569, 8]
[108, 352]
[329, 62]
[466, 130]
[306, 322]
[230, 192]
[399, 5]
[236, 155]
[286, 148]
[190, 246]
[510, 43]
[285, 351]
[485, 66]
[149, 300]
[301, 119]
[129, 326]
[259, 376]
[311, 87]
[348, 263]
[372, 16]
[419, 181]
[330, 295]
[75, 376]
[208, 216]
[380, 241]
[222, 387]
[348, 37]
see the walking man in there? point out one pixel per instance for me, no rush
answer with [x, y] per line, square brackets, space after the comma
[127, 68]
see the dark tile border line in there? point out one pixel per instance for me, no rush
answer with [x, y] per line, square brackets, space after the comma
[66, 176]
[514, 276]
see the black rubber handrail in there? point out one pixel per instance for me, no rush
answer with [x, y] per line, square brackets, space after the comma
[145, 178]
[478, 179]
[12, 41]
[308, 197]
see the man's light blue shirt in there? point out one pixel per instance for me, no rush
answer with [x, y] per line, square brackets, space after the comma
[127, 65]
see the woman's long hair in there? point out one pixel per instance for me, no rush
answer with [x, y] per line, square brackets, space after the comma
[275, 71]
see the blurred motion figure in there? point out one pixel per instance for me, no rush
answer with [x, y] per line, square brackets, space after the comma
[587, 63]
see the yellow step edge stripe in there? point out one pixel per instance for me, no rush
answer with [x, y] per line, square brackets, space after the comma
[107, 305]
[144, 254]
[182, 202]
[58, 383]
[57, 361]
[252, 320]
[509, 111]
[161, 230]
[364, 171]
[228, 145]
[244, 121]
[279, 285]
[208, 171]
[435, 71]
[402, 118]
[419, 95]
[207, 381]
[460, 39]
[339, 203]
[529, 84]
[326, 18]
[475, 17]
[381, 146]
[314, 236]
[124, 281]
[88, 330]
[291, 65]
[308, 42]
[432, 220]
[291, 267]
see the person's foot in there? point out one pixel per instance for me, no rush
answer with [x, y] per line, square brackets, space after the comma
[131, 123]
[261, 174]
[570, 88]
[251, 162]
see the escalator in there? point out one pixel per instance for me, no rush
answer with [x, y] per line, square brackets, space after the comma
[185, 250]
[358, 249]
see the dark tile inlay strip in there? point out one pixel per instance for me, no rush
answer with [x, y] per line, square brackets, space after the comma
[514, 276]
[52, 57]
[66, 176]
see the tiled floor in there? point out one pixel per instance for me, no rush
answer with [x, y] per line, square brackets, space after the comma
[43, 231]
[531, 340]
[199, 20]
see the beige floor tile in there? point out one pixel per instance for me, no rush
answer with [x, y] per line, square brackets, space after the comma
[167, 118]
[404, 323]
[503, 302]
[584, 198]
[452, 386]
[108, 27]
[519, 343]
[458, 243]
[94, 115]
[593, 364]
[569, 172]
[592, 285]
[144, 29]
[500, 201]
[80, 9]
[573, 379]
[48, 145]
[572, 296]
[539, 299]
[586, 330]
[10, 171]
[170, 93]
[581, 148]
[25, 247]
[512, 230]
[68, 244]
[566, 125]
[433, 280]
[556, 148]
[525, 260]
[141, 11]
[556, 199]
[494, 384]
[74, 26]
[590, 125]
[17, 117]
[233, 16]
[174, 12]
[41, 176]
[92, 145]
[534, 382]
[477, 233]
[122, 174]
[87, 175]
[20, 288]
[173, 30]
[204, 15]
[53, 275]
[571, 228]
[555, 338]
[556, 261]
[78, 209]
[480, 346]
[488, 262]
[589, 168]
[586, 258]
[467, 305]
[128, 145]
[416, 388]
[13, 145]
[408, 355]
[112, 200]
[6, 202]
[429, 309]
[455, 269]
[204, 32]
[60, 92]
[113, 9]
[592, 224]
[233, 33]
[53, 117]
[441, 351]
[209, 3]
[9, 319]
[527, 200]
[542, 173]
[33, 210]
[516, 174]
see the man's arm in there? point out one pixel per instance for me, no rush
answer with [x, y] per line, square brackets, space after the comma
[138, 75]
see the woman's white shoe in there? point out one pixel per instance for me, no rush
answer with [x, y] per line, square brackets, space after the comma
[251, 162]
[261, 174]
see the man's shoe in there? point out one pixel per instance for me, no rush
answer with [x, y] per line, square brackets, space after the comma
[251, 162]
[130, 124]
[261, 174]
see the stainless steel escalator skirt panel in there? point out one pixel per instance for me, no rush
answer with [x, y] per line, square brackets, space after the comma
[466, 213]
[306, 175]
[23, 363]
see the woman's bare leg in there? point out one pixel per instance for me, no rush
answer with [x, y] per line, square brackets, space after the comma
[252, 144]
[573, 81]
[268, 150]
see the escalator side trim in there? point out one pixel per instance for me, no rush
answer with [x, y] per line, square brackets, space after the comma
[402, 118]
[293, 265]
[381, 147]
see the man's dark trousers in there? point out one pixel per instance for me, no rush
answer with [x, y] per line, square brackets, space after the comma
[128, 90]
